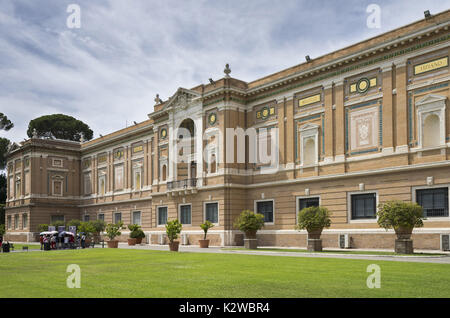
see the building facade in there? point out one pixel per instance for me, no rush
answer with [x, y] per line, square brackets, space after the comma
[347, 130]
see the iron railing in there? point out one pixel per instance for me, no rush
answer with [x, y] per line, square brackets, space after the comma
[182, 184]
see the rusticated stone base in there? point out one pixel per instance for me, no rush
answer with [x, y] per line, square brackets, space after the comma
[251, 243]
[404, 246]
[315, 245]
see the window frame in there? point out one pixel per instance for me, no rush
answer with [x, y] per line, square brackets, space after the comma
[140, 217]
[25, 217]
[114, 217]
[218, 212]
[301, 197]
[349, 207]
[98, 216]
[255, 207]
[425, 187]
[157, 215]
[9, 222]
[179, 213]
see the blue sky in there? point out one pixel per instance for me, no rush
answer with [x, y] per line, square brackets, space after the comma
[107, 72]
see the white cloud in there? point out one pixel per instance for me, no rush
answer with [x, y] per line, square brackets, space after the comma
[108, 72]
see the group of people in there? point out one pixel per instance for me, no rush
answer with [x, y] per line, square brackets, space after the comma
[64, 241]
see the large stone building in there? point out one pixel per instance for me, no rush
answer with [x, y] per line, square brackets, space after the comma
[350, 129]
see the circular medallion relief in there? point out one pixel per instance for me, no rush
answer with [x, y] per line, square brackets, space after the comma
[362, 85]
[265, 113]
[163, 133]
[212, 119]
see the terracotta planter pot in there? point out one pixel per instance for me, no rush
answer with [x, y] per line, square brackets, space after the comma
[139, 240]
[314, 234]
[203, 243]
[403, 233]
[250, 234]
[174, 246]
[113, 244]
[131, 241]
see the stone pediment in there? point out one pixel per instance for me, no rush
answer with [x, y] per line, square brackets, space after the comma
[309, 127]
[431, 99]
[181, 98]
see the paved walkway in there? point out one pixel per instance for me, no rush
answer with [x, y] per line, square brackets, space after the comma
[439, 259]
[444, 259]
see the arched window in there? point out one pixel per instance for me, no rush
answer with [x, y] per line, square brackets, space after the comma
[164, 172]
[431, 131]
[213, 163]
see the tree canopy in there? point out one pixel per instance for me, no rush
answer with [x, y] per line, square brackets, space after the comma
[59, 126]
[5, 123]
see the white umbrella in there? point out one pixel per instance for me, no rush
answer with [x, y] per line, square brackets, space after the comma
[48, 233]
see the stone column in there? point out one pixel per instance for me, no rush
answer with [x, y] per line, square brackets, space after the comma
[401, 122]
[281, 131]
[340, 121]
[156, 157]
[328, 129]
[387, 106]
[199, 148]
[290, 139]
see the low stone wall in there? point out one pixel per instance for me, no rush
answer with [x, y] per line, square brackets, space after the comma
[367, 240]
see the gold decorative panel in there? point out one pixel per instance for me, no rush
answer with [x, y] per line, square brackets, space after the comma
[431, 66]
[309, 100]
[138, 149]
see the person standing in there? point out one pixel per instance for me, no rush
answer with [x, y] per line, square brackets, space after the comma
[83, 241]
[66, 241]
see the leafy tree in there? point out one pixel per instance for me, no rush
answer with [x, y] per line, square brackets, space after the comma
[42, 228]
[59, 126]
[205, 227]
[6, 146]
[400, 214]
[57, 224]
[74, 222]
[5, 123]
[86, 228]
[313, 218]
[173, 228]
[2, 229]
[249, 223]
[2, 215]
[113, 230]
[99, 226]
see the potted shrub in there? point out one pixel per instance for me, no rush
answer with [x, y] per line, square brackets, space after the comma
[99, 227]
[402, 217]
[88, 229]
[136, 234]
[173, 229]
[314, 219]
[112, 231]
[249, 223]
[205, 227]
[132, 238]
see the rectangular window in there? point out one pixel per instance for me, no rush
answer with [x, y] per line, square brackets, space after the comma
[162, 215]
[433, 201]
[9, 222]
[86, 218]
[101, 217]
[16, 222]
[136, 217]
[307, 202]
[364, 206]
[57, 188]
[56, 218]
[185, 214]
[24, 221]
[212, 212]
[117, 217]
[265, 208]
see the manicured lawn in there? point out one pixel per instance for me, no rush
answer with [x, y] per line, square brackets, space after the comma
[143, 273]
[18, 247]
[294, 250]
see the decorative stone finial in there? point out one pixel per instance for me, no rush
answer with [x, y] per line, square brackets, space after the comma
[227, 70]
[82, 138]
[35, 134]
[158, 100]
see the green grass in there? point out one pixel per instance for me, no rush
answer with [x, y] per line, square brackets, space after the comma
[267, 249]
[18, 247]
[144, 273]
